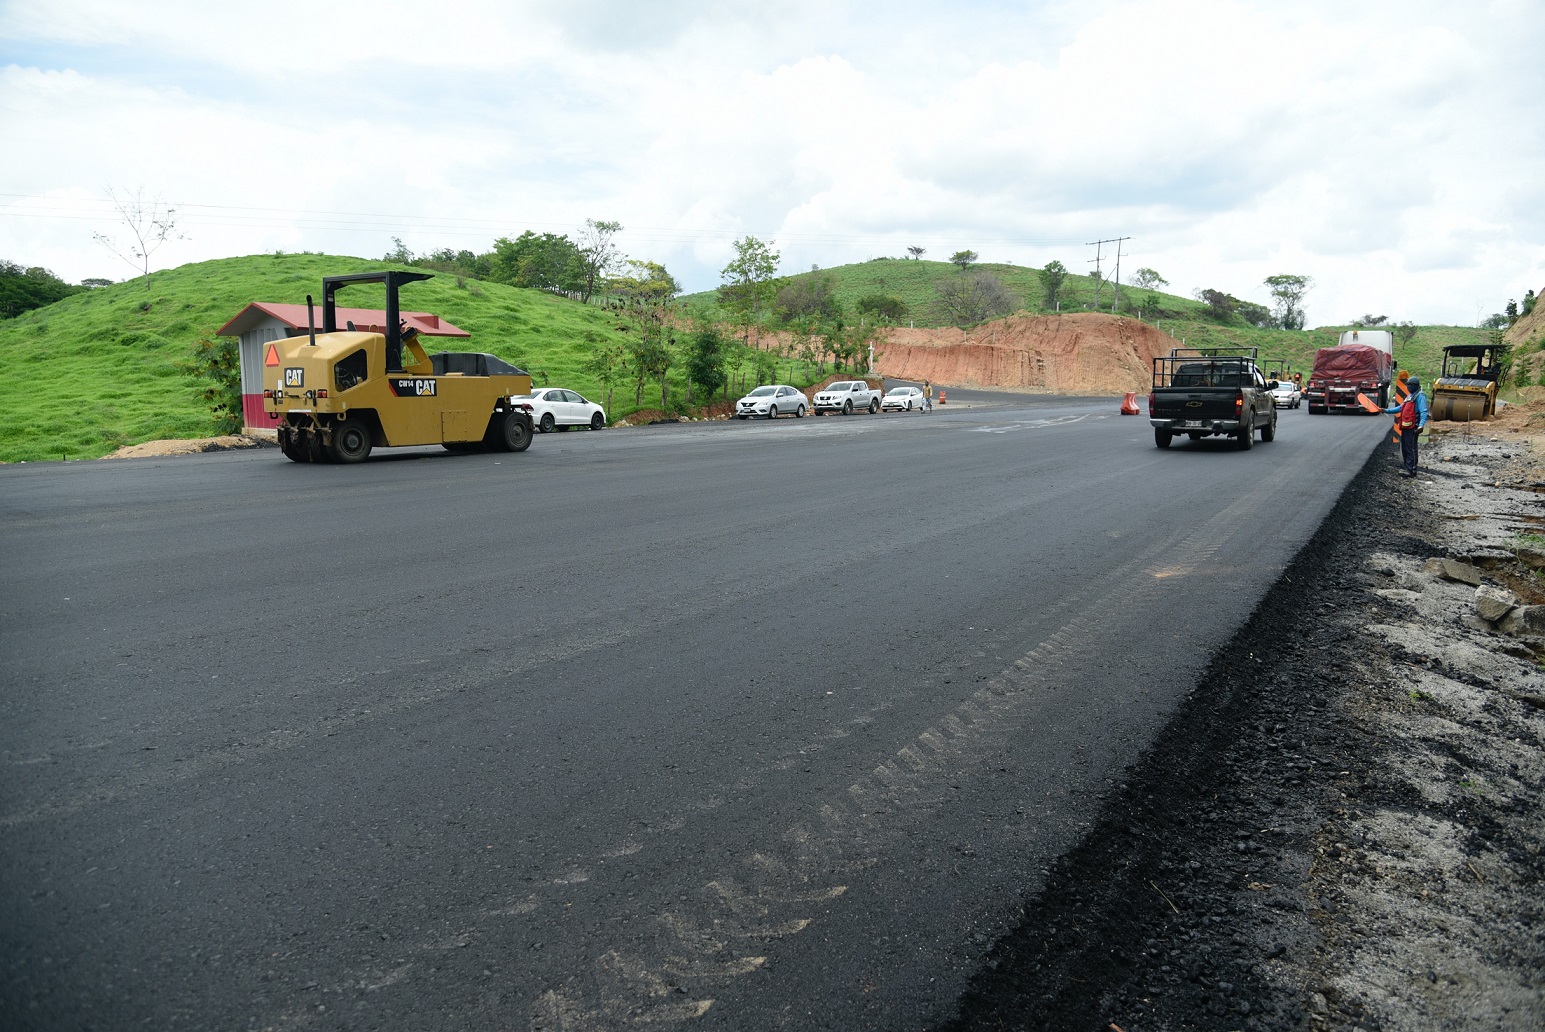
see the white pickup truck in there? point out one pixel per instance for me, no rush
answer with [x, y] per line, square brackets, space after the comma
[847, 397]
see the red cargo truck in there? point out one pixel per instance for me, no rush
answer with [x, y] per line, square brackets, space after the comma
[1342, 373]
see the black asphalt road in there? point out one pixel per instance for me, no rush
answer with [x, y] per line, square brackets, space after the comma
[720, 726]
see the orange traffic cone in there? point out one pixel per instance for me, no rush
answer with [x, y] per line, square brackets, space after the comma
[1129, 404]
[942, 399]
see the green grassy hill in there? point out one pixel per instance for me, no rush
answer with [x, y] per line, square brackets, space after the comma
[104, 368]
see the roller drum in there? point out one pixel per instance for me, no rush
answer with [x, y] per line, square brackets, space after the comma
[1459, 408]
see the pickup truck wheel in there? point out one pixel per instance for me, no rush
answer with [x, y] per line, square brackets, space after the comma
[874, 406]
[1162, 437]
[1246, 438]
[1269, 431]
[847, 407]
[546, 426]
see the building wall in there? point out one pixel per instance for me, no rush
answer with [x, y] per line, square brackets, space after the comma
[253, 343]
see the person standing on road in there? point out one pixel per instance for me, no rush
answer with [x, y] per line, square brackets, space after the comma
[927, 396]
[1413, 417]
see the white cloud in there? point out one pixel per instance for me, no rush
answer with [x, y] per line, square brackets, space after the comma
[1390, 150]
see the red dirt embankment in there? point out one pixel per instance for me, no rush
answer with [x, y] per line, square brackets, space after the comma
[1083, 353]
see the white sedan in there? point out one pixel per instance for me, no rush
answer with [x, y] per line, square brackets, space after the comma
[772, 401]
[556, 408]
[1286, 394]
[902, 399]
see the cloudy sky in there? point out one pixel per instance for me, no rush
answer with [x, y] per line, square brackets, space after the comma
[1394, 151]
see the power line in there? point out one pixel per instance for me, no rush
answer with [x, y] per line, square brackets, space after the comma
[229, 216]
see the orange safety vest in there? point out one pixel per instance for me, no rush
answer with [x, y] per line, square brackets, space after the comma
[1403, 395]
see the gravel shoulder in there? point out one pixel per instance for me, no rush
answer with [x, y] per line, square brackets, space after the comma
[1341, 829]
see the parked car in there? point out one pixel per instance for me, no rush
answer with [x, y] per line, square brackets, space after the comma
[902, 399]
[771, 401]
[846, 396]
[1286, 394]
[557, 408]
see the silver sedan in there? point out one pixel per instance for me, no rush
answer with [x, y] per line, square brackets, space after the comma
[772, 401]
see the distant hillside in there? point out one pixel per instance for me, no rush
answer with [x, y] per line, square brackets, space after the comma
[102, 368]
[1184, 318]
[915, 283]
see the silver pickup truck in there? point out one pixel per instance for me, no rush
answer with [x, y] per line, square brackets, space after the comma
[847, 397]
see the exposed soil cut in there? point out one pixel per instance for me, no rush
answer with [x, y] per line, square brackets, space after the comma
[1341, 829]
[1082, 353]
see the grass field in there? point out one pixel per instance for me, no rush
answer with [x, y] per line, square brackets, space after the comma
[105, 368]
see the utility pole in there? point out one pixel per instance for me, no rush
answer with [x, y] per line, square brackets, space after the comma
[1098, 281]
[1116, 286]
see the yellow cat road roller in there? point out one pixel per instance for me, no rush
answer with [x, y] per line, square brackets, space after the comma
[1467, 390]
[339, 393]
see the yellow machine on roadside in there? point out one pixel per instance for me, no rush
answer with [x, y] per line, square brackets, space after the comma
[340, 393]
[1467, 390]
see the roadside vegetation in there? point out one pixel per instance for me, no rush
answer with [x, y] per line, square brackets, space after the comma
[98, 366]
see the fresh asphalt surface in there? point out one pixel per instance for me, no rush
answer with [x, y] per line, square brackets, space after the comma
[720, 726]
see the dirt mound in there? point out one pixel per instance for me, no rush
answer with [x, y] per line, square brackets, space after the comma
[1083, 353]
[157, 448]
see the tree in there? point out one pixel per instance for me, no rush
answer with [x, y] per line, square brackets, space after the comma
[607, 363]
[151, 223]
[95, 282]
[22, 290]
[1494, 321]
[974, 298]
[706, 354]
[882, 308]
[808, 296]
[1405, 333]
[1052, 278]
[1288, 292]
[1370, 320]
[1147, 279]
[649, 280]
[1254, 314]
[1528, 302]
[216, 361]
[1221, 306]
[546, 262]
[963, 259]
[916, 253]
[598, 254]
[747, 280]
[399, 254]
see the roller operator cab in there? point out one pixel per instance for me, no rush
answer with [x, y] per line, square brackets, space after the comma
[339, 393]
